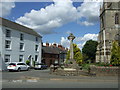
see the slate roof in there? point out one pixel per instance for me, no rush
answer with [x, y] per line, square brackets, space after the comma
[18, 27]
[52, 50]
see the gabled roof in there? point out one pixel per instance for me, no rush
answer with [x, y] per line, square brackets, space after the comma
[52, 50]
[18, 27]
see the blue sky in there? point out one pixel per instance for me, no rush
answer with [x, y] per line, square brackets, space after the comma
[55, 20]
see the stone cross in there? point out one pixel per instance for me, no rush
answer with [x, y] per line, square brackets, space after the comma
[71, 38]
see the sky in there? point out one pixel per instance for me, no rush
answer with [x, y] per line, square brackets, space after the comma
[54, 21]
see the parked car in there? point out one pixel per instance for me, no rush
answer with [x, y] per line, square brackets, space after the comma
[17, 66]
[40, 66]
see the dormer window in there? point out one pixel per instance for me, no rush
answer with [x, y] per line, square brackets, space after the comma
[116, 18]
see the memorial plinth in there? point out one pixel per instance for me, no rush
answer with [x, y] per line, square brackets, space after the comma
[71, 68]
[72, 62]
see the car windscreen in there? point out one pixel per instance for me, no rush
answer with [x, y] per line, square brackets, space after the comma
[20, 64]
[12, 64]
[39, 64]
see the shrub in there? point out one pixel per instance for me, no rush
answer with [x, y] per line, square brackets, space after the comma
[86, 66]
[27, 62]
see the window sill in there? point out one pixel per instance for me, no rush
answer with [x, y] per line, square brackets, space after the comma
[8, 37]
[22, 50]
[21, 40]
[37, 51]
[8, 49]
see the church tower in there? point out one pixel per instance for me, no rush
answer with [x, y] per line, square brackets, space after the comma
[109, 28]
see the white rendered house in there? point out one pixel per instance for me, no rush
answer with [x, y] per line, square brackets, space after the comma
[19, 43]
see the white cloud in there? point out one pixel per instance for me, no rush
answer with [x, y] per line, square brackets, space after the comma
[55, 15]
[89, 11]
[80, 45]
[87, 37]
[80, 41]
[65, 42]
[50, 17]
[86, 23]
[6, 7]
[44, 44]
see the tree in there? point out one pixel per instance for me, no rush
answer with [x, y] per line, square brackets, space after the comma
[77, 54]
[115, 54]
[89, 51]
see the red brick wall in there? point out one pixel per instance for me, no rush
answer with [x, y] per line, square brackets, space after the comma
[50, 58]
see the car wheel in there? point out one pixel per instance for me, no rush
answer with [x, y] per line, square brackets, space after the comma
[9, 70]
[19, 70]
[27, 69]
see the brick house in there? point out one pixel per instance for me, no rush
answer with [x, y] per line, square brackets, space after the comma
[53, 54]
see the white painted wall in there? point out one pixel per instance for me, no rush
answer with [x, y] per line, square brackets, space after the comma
[29, 42]
[2, 63]
[0, 39]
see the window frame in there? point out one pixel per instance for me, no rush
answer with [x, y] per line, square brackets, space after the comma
[20, 58]
[116, 18]
[36, 58]
[8, 33]
[9, 59]
[22, 47]
[36, 48]
[36, 39]
[21, 36]
[6, 44]
[102, 22]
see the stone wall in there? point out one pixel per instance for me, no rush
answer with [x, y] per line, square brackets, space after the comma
[104, 70]
[63, 72]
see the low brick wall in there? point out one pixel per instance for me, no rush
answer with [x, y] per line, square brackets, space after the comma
[104, 70]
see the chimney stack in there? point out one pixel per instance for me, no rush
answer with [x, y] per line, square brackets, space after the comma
[47, 44]
[60, 46]
[54, 44]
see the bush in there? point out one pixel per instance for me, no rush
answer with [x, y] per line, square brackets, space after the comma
[28, 62]
[115, 54]
[86, 66]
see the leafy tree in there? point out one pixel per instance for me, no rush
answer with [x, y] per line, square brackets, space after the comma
[115, 53]
[77, 54]
[89, 51]
[68, 56]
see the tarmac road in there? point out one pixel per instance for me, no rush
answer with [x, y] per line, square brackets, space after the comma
[43, 79]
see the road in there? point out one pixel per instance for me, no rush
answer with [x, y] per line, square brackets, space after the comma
[43, 79]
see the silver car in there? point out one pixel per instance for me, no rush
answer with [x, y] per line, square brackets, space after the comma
[17, 66]
[40, 66]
